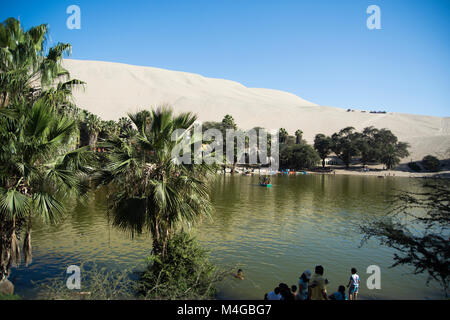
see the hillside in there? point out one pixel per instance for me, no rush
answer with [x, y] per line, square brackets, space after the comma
[113, 89]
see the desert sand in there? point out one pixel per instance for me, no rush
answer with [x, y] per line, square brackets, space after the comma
[113, 89]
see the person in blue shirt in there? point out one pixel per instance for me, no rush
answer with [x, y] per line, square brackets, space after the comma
[339, 295]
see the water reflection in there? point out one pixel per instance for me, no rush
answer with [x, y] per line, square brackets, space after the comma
[274, 234]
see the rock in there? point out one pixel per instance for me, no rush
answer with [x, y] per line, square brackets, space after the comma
[6, 287]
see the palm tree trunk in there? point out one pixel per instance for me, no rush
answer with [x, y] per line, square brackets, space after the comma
[5, 249]
[15, 248]
[27, 244]
[4, 99]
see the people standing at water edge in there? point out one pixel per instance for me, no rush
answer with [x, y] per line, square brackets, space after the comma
[294, 292]
[339, 295]
[285, 292]
[303, 282]
[317, 287]
[274, 295]
[354, 285]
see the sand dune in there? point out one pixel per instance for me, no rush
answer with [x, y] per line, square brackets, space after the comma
[113, 89]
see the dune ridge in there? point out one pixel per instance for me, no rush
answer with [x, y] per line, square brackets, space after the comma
[113, 89]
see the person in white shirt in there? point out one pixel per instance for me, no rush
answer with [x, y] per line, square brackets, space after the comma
[353, 285]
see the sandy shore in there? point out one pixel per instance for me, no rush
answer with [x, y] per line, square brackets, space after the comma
[390, 173]
[374, 170]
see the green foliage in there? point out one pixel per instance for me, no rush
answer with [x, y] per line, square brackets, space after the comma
[10, 297]
[151, 192]
[390, 151]
[368, 145]
[27, 67]
[322, 144]
[185, 274]
[298, 156]
[228, 122]
[298, 136]
[283, 135]
[418, 227]
[345, 144]
[414, 166]
[373, 145]
[38, 164]
[96, 284]
[431, 163]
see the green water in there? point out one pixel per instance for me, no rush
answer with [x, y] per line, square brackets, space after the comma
[273, 234]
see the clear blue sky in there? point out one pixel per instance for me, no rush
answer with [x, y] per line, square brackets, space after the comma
[320, 50]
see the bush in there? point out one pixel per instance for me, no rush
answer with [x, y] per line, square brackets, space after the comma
[96, 284]
[414, 166]
[185, 273]
[298, 156]
[431, 163]
[9, 297]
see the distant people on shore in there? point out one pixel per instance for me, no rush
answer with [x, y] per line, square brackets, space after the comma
[314, 287]
[303, 284]
[274, 295]
[353, 285]
[286, 293]
[339, 295]
[318, 285]
[294, 291]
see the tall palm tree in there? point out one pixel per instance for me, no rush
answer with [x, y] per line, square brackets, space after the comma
[152, 192]
[38, 170]
[38, 163]
[283, 135]
[298, 136]
[91, 125]
[26, 67]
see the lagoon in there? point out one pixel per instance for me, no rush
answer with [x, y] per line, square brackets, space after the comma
[273, 234]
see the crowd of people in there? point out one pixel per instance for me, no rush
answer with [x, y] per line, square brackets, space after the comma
[314, 287]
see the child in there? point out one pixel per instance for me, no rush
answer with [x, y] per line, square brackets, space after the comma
[354, 285]
[339, 295]
[294, 291]
[240, 274]
[274, 295]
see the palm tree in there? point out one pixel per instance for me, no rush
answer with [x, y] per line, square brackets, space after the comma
[298, 136]
[283, 134]
[38, 164]
[91, 125]
[26, 67]
[37, 170]
[152, 192]
[228, 122]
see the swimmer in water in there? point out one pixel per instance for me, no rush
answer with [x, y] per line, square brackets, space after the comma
[239, 274]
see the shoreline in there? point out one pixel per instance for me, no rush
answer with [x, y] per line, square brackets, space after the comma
[387, 173]
[358, 171]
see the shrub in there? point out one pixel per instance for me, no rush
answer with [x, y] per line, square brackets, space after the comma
[185, 273]
[96, 284]
[431, 163]
[414, 166]
[9, 297]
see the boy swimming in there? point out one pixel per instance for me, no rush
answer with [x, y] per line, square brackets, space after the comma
[239, 274]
